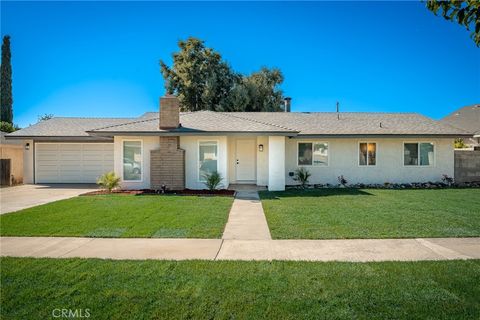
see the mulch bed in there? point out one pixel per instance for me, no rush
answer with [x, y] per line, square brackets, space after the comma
[186, 192]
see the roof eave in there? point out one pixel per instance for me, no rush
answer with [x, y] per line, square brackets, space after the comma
[191, 133]
[61, 138]
[383, 135]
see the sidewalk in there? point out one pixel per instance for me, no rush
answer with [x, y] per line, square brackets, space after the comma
[217, 249]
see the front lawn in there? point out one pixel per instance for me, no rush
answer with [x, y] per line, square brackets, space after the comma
[122, 216]
[372, 213]
[33, 288]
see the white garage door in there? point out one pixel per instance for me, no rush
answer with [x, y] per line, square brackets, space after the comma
[72, 162]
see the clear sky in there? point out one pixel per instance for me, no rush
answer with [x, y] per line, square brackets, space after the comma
[101, 58]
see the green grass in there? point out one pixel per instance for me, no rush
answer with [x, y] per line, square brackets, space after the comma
[372, 213]
[32, 288]
[122, 216]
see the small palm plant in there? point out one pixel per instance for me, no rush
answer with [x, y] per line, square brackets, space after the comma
[212, 180]
[109, 181]
[302, 175]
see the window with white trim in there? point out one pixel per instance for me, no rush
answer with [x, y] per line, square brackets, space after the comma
[418, 154]
[312, 154]
[207, 158]
[132, 160]
[367, 154]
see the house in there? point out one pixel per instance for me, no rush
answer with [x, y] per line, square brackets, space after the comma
[177, 149]
[11, 155]
[467, 119]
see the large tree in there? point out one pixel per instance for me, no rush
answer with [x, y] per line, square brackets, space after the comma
[204, 81]
[257, 92]
[6, 99]
[199, 76]
[466, 13]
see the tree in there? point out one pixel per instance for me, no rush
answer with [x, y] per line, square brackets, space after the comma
[465, 13]
[199, 76]
[258, 92]
[45, 117]
[8, 127]
[6, 100]
[203, 81]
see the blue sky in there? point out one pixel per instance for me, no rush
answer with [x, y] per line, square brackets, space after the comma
[101, 58]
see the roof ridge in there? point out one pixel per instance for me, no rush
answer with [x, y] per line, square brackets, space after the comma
[125, 123]
[261, 122]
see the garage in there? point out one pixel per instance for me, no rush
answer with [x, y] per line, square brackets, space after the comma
[72, 162]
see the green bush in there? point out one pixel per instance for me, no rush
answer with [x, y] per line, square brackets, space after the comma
[7, 127]
[302, 175]
[213, 180]
[459, 144]
[109, 181]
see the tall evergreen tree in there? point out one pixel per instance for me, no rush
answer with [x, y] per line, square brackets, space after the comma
[6, 99]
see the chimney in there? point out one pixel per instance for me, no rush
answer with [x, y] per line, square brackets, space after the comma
[169, 112]
[287, 101]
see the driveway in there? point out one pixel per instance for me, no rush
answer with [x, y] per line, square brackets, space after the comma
[30, 195]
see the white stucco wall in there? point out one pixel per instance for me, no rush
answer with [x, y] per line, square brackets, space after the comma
[28, 165]
[343, 160]
[262, 161]
[276, 163]
[148, 144]
[190, 145]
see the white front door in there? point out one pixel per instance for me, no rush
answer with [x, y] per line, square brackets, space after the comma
[245, 160]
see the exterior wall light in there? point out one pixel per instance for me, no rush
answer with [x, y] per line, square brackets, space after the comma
[260, 147]
[27, 146]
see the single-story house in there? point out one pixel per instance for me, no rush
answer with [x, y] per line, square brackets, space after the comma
[176, 149]
[467, 119]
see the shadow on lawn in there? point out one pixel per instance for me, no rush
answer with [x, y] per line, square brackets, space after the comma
[269, 195]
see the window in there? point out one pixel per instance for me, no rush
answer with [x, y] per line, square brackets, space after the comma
[312, 153]
[132, 160]
[418, 154]
[367, 154]
[208, 158]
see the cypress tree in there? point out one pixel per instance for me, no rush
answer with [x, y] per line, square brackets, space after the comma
[6, 100]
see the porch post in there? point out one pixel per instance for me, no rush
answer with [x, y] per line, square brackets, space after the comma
[276, 163]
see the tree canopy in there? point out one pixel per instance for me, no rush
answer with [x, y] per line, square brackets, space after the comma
[6, 100]
[465, 13]
[202, 80]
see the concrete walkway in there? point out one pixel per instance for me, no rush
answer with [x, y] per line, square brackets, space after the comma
[246, 220]
[31, 195]
[218, 249]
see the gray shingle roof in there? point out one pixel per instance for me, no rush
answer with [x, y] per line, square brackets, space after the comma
[466, 118]
[201, 121]
[290, 124]
[67, 127]
[355, 123]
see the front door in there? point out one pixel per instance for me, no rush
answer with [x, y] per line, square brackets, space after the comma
[245, 160]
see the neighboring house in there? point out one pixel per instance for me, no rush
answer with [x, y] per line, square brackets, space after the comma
[467, 119]
[177, 149]
[11, 153]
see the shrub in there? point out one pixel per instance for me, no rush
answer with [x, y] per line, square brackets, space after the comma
[212, 180]
[342, 180]
[302, 175]
[109, 181]
[447, 179]
[7, 127]
[459, 144]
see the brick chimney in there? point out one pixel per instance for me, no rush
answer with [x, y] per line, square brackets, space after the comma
[169, 112]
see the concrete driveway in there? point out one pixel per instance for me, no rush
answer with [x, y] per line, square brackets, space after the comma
[30, 195]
